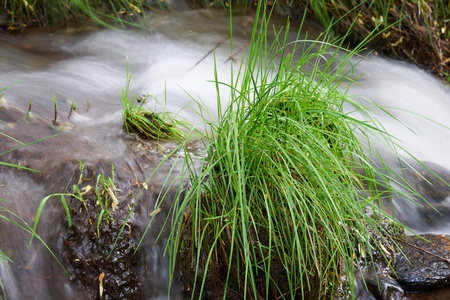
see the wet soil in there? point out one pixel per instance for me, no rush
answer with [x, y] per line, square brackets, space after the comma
[100, 249]
[102, 245]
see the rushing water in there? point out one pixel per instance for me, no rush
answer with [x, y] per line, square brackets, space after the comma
[88, 67]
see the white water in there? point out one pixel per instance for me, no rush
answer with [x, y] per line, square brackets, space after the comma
[87, 65]
[420, 102]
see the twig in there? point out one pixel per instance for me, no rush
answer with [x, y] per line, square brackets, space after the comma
[156, 10]
[210, 51]
[421, 249]
[64, 239]
[282, 296]
[240, 49]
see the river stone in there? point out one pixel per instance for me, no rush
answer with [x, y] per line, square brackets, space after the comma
[418, 270]
[383, 287]
[435, 215]
[424, 181]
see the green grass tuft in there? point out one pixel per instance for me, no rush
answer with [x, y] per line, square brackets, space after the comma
[286, 179]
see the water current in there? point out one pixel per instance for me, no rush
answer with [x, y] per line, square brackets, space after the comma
[87, 66]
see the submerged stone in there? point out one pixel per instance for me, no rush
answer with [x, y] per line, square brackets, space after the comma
[435, 215]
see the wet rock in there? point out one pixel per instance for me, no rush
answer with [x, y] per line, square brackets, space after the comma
[426, 264]
[383, 287]
[434, 189]
[97, 251]
[371, 286]
[435, 215]
[361, 290]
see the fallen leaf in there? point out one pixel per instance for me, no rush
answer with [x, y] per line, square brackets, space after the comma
[86, 189]
[156, 211]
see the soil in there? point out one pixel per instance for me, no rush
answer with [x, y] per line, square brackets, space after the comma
[103, 249]
[216, 276]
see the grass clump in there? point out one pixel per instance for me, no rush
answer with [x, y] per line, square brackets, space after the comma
[282, 196]
[21, 14]
[146, 123]
[418, 31]
[104, 191]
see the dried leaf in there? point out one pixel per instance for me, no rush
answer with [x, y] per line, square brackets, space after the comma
[100, 278]
[384, 249]
[156, 211]
[114, 198]
[86, 189]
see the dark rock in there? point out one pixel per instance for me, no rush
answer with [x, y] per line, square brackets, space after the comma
[361, 291]
[435, 215]
[383, 287]
[425, 181]
[417, 269]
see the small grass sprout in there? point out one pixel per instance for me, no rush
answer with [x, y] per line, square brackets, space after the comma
[73, 108]
[64, 203]
[106, 198]
[55, 124]
[30, 116]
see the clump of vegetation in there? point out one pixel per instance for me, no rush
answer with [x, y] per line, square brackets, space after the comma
[285, 182]
[104, 191]
[18, 14]
[99, 248]
[146, 123]
[418, 31]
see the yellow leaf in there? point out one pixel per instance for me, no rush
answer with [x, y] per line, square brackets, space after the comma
[86, 189]
[135, 8]
[114, 198]
[29, 6]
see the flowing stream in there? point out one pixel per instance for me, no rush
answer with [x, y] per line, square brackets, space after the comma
[88, 67]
